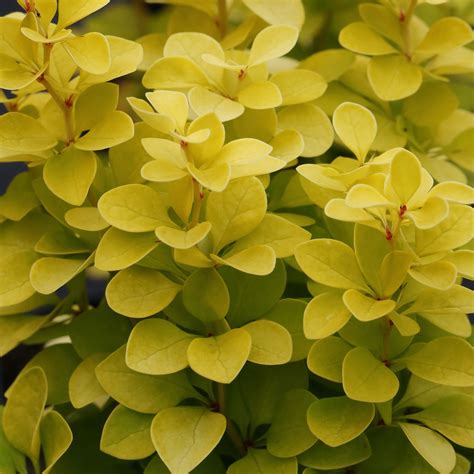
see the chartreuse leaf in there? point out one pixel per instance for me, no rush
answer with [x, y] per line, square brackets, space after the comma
[393, 271]
[260, 95]
[140, 392]
[330, 262]
[84, 388]
[456, 299]
[71, 11]
[91, 52]
[205, 295]
[393, 77]
[366, 378]
[220, 358]
[14, 329]
[11, 460]
[325, 315]
[289, 313]
[56, 437]
[387, 442]
[289, 434]
[138, 292]
[449, 416]
[321, 456]
[183, 239]
[261, 460]
[118, 249]
[313, 125]
[70, 174]
[446, 360]
[257, 260]
[405, 175]
[283, 12]
[405, 325]
[85, 218]
[338, 420]
[24, 410]
[116, 128]
[276, 232]
[157, 347]
[126, 434]
[326, 357]
[444, 35]
[299, 85]
[356, 127]
[19, 198]
[271, 343]
[440, 275]
[236, 211]
[48, 274]
[435, 449]
[61, 242]
[15, 285]
[13, 138]
[185, 436]
[366, 308]
[58, 363]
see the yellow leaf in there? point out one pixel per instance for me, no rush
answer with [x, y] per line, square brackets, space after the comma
[456, 192]
[172, 104]
[440, 275]
[431, 214]
[272, 42]
[71, 11]
[204, 101]
[299, 85]
[363, 196]
[405, 176]
[183, 239]
[90, 52]
[365, 308]
[361, 38]
[275, 12]
[393, 77]
[356, 127]
[85, 218]
[258, 260]
[215, 178]
[260, 95]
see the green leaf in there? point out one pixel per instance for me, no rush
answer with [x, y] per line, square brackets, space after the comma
[98, 330]
[289, 434]
[185, 436]
[220, 358]
[366, 378]
[321, 456]
[446, 360]
[387, 443]
[205, 295]
[118, 249]
[271, 343]
[56, 437]
[70, 174]
[260, 460]
[133, 208]
[157, 347]
[236, 211]
[313, 125]
[450, 417]
[140, 392]
[12, 137]
[356, 127]
[366, 308]
[326, 357]
[71, 11]
[116, 128]
[325, 315]
[330, 263]
[126, 434]
[139, 292]
[251, 296]
[338, 420]
[84, 388]
[289, 313]
[61, 243]
[48, 274]
[435, 449]
[58, 363]
[11, 460]
[393, 77]
[24, 410]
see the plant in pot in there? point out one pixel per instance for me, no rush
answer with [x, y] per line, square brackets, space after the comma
[284, 241]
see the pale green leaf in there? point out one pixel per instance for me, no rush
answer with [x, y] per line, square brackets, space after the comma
[326, 357]
[260, 460]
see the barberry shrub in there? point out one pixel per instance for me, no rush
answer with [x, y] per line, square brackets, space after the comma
[283, 240]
